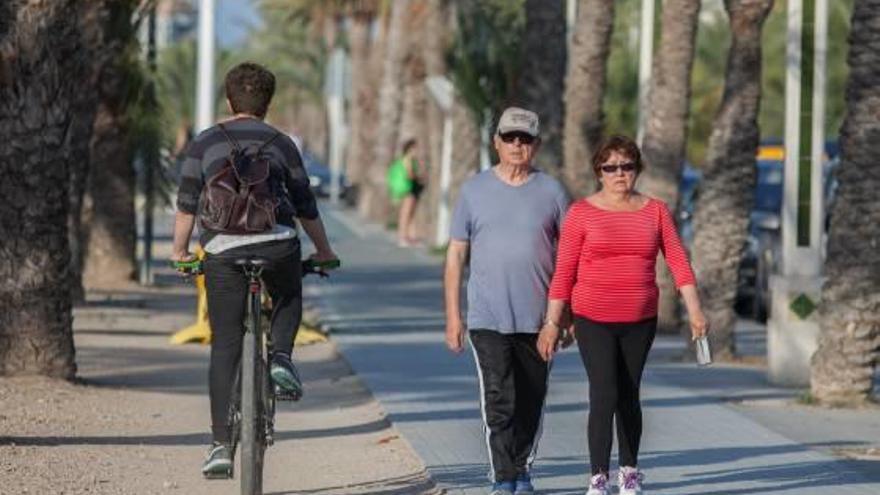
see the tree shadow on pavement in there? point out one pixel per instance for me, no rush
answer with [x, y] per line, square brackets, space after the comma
[414, 484]
[201, 438]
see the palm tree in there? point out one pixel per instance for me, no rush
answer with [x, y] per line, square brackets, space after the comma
[849, 318]
[362, 95]
[374, 202]
[40, 88]
[584, 91]
[666, 127]
[434, 45]
[541, 80]
[721, 216]
[109, 227]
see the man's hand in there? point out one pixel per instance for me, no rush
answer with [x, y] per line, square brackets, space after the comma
[323, 256]
[182, 256]
[455, 335]
[548, 339]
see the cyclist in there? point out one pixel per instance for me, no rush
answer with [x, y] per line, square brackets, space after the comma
[249, 91]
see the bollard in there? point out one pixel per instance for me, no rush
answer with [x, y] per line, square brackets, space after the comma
[200, 331]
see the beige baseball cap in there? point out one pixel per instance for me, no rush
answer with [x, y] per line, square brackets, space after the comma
[515, 119]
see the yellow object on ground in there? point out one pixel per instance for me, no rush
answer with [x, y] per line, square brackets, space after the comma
[306, 336]
[200, 331]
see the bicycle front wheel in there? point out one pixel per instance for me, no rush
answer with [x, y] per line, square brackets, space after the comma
[252, 400]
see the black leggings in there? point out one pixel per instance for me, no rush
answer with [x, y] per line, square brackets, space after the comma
[227, 286]
[614, 356]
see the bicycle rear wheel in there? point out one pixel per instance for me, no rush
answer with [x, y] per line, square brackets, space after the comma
[252, 403]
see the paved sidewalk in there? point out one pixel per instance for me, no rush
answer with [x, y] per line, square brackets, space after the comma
[138, 423]
[707, 431]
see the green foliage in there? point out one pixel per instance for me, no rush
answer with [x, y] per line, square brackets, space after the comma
[713, 41]
[622, 85]
[289, 44]
[485, 56]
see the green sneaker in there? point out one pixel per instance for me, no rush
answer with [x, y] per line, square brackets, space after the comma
[218, 463]
[285, 377]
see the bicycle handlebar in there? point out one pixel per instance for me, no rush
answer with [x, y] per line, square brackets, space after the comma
[320, 268]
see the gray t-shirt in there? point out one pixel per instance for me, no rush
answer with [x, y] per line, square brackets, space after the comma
[512, 231]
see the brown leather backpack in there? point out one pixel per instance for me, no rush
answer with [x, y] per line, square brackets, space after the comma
[239, 198]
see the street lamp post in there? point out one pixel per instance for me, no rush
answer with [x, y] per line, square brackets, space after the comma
[646, 57]
[205, 75]
[442, 92]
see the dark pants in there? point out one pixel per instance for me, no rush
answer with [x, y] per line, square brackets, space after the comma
[614, 356]
[227, 288]
[513, 383]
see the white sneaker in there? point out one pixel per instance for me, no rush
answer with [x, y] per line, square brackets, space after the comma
[599, 485]
[629, 480]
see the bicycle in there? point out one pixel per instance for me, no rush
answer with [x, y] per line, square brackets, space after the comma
[252, 408]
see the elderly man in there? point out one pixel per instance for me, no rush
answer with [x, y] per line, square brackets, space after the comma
[507, 222]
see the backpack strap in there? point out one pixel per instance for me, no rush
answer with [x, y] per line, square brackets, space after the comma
[268, 142]
[235, 146]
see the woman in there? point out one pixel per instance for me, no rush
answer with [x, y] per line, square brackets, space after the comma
[605, 270]
[405, 187]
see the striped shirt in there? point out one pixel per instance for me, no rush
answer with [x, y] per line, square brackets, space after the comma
[606, 260]
[207, 153]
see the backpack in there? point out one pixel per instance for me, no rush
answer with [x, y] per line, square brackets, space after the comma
[239, 198]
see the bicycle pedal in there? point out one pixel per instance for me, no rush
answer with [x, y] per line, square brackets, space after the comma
[284, 395]
[219, 475]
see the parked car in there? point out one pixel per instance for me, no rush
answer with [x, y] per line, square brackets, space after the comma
[319, 177]
[763, 248]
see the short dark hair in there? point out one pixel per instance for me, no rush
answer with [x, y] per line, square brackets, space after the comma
[249, 88]
[408, 145]
[616, 144]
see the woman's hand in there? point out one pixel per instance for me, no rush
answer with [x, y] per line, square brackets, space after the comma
[548, 338]
[699, 324]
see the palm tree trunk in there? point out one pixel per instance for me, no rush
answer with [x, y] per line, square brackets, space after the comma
[109, 227]
[111, 237]
[541, 82]
[584, 91]
[666, 129]
[390, 105]
[466, 151]
[849, 339]
[721, 217]
[362, 97]
[39, 90]
[434, 45]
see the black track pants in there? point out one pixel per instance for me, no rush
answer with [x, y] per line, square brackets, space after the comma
[513, 383]
[227, 287]
[614, 356]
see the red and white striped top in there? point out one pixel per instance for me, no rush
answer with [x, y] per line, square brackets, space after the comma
[606, 259]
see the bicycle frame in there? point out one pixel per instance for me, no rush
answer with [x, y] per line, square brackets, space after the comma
[257, 406]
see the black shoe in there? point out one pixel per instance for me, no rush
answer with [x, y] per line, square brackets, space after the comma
[285, 377]
[218, 463]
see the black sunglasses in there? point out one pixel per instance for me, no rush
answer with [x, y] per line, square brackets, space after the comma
[626, 167]
[509, 137]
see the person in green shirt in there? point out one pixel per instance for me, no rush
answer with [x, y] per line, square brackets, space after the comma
[405, 186]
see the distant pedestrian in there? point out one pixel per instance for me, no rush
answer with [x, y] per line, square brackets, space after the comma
[507, 222]
[405, 185]
[605, 270]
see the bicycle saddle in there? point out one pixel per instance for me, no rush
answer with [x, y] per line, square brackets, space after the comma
[252, 261]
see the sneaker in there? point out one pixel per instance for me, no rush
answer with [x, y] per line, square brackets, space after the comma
[599, 485]
[285, 377]
[218, 462]
[629, 480]
[503, 488]
[524, 485]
